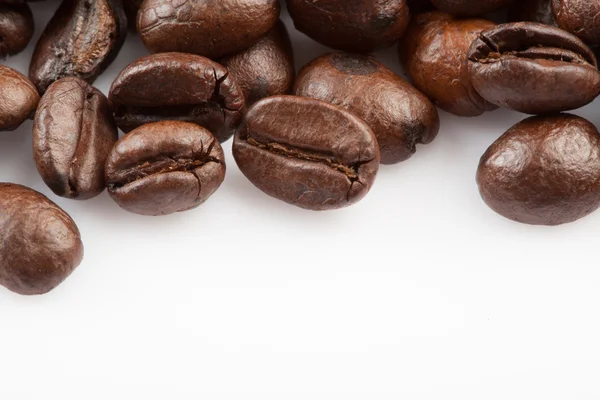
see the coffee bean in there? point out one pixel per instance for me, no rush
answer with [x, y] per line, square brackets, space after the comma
[579, 17]
[177, 86]
[356, 26]
[307, 152]
[399, 115]
[165, 167]
[81, 40]
[16, 28]
[41, 244]
[543, 171]
[434, 54]
[470, 7]
[211, 28]
[73, 133]
[18, 99]
[266, 68]
[533, 68]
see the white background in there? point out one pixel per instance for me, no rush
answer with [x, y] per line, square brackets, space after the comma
[418, 292]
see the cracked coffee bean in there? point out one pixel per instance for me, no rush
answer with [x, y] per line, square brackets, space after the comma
[399, 115]
[307, 152]
[177, 86]
[580, 17]
[16, 28]
[533, 68]
[165, 167]
[265, 69]
[73, 133]
[41, 244]
[82, 39]
[205, 27]
[434, 54]
[470, 8]
[544, 170]
[356, 26]
[18, 99]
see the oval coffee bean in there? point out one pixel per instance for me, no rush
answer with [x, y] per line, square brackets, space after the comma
[533, 68]
[470, 7]
[205, 27]
[41, 244]
[307, 152]
[434, 54]
[543, 171]
[73, 133]
[399, 115]
[16, 28]
[177, 86]
[355, 26]
[580, 17]
[82, 39]
[165, 167]
[266, 68]
[18, 98]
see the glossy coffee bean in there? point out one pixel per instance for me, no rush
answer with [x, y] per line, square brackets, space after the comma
[16, 28]
[579, 17]
[399, 115]
[165, 167]
[470, 7]
[355, 26]
[41, 244]
[434, 54]
[543, 171]
[82, 39]
[533, 68]
[18, 98]
[532, 11]
[177, 86]
[205, 27]
[73, 133]
[307, 152]
[266, 68]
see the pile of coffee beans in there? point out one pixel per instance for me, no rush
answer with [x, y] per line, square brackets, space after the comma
[314, 139]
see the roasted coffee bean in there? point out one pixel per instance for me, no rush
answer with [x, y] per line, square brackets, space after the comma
[470, 7]
[266, 68]
[177, 86]
[543, 171]
[165, 167]
[434, 54]
[205, 27]
[307, 152]
[131, 10]
[399, 115]
[532, 11]
[533, 68]
[356, 26]
[18, 99]
[579, 17]
[16, 28]
[41, 244]
[81, 40]
[73, 133]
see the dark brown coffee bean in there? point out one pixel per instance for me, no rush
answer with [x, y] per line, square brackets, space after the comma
[177, 86]
[356, 26]
[579, 17]
[532, 11]
[205, 27]
[543, 171]
[470, 7]
[165, 167]
[266, 68]
[307, 152]
[41, 244]
[16, 28]
[399, 115]
[81, 40]
[533, 68]
[18, 99]
[434, 54]
[73, 133]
